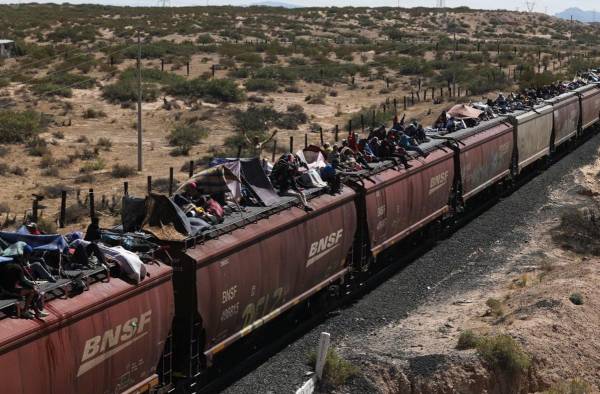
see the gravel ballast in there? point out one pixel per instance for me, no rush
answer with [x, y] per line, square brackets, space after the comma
[454, 265]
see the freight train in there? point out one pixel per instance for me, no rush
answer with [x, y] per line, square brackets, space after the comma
[211, 291]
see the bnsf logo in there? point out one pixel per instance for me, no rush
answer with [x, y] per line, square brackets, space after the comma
[102, 347]
[438, 181]
[323, 246]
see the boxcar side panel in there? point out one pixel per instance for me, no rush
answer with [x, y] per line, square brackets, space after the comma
[106, 340]
[566, 119]
[533, 137]
[277, 264]
[399, 203]
[590, 106]
[485, 158]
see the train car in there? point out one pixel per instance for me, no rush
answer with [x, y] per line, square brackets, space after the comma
[108, 339]
[590, 104]
[273, 258]
[485, 155]
[398, 202]
[532, 135]
[566, 114]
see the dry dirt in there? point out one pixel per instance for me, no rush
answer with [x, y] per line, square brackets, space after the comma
[418, 354]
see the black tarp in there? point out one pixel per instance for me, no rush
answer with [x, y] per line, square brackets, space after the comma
[254, 174]
[167, 222]
[132, 213]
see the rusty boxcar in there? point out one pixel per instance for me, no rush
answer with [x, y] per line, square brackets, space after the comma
[398, 202]
[565, 112]
[486, 153]
[108, 339]
[230, 285]
[533, 132]
[590, 104]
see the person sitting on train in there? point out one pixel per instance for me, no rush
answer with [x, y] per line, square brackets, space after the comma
[329, 174]
[398, 125]
[21, 253]
[420, 135]
[333, 157]
[365, 149]
[440, 122]
[14, 284]
[283, 178]
[33, 229]
[86, 253]
[93, 232]
[388, 149]
[408, 144]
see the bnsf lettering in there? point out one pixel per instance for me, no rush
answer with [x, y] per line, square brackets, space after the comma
[438, 181]
[115, 336]
[325, 243]
[229, 294]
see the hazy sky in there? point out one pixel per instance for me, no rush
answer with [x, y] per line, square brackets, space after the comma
[552, 6]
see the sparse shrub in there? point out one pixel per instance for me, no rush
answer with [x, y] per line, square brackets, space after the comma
[59, 135]
[47, 161]
[495, 306]
[91, 113]
[104, 143]
[467, 340]
[82, 139]
[576, 298]
[225, 90]
[575, 386]
[46, 225]
[18, 171]
[75, 213]
[85, 178]
[579, 230]
[317, 98]
[93, 165]
[336, 370]
[122, 171]
[4, 169]
[4, 150]
[183, 138]
[51, 89]
[503, 352]
[161, 185]
[37, 147]
[261, 84]
[18, 127]
[89, 154]
[51, 171]
[53, 191]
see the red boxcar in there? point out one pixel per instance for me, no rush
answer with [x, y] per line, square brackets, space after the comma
[108, 339]
[241, 280]
[590, 104]
[566, 117]
[486, 153]
[399, 202]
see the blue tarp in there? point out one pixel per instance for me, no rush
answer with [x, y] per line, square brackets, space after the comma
[37, 242]
[5, 259]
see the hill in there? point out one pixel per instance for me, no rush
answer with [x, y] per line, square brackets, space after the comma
[578, 15]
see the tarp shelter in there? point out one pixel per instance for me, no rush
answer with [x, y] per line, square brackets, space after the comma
[251, 173]
[464, 111]
[166, 221]
[54, 242]
[313, 157]
[221, 178]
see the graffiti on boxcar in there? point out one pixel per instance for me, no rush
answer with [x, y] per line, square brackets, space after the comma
[263, 306]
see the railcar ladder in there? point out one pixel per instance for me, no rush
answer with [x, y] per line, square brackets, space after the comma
[166, 363]
[195, 349]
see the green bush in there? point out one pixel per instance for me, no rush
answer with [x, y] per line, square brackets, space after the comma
[495, 306]
[467, 340]
[93, 165]
[104, 143]
[124, 91]
[576, 298]
[225, 90]
[51, 89]
[184, 137]
[122, 171]
[503, 352]
[575, 386]
[91, 113]
[260, 84]
[336, 370]
[18, 127]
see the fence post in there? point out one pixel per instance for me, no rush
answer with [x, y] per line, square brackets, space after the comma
[322, 354]
[395, 106]
[92, 208]
[34, 209]
[405, 103]
[187, 67]
[321, 134]
[291, 143]
[274, 151]
[170, 181]
[162, 64]
[125, 188]
[239, 152]
[149, 184]
[63, 209]
[191, 169]
[337, 133]
[305, 140]
[212, 68]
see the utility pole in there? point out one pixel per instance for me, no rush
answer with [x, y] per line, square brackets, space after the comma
[139, 104]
